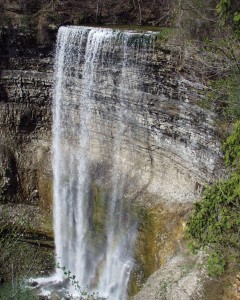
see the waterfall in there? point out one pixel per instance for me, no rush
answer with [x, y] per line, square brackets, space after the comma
[82, 55]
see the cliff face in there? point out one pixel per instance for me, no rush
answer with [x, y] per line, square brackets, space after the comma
[174, 141]
[175, 136]
[25, 134]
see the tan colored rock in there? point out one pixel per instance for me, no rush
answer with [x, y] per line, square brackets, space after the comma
[233, 292]
[180, 279]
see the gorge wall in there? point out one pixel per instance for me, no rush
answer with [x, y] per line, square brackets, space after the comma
[172, 130]
[174, 142]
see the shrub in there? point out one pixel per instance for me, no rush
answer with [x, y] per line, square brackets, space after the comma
[215, 222]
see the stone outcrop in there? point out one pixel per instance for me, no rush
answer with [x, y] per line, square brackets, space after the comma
[181, 278]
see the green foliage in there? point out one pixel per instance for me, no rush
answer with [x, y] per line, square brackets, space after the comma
[223, 8]
[224, 97]
[71, 278]
[236, 18]
[216, 264]
[223, 56]
[215, 223]
[74, 283]
[165, 34]
[6, 20]
[53, 17]
[232, 149]
[229, 11]
[200, 20]
[26, 20]
[17, 290]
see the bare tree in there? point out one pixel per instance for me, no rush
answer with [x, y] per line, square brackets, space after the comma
[140, 12]
[99, 10]
[134, 5]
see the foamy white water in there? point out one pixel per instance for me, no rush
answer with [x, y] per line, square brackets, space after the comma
[80, 52]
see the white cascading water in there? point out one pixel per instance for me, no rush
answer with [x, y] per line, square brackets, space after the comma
[81, 52]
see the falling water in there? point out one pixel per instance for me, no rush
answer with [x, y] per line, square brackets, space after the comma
[82, 53]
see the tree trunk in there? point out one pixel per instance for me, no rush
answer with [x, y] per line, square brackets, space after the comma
[140, 12]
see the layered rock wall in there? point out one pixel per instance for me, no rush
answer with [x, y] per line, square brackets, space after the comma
[174, 136]
[170, 152]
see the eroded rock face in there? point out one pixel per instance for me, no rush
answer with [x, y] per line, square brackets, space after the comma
[8, 174]
[25, 104]
[160, 236]
[176, 145]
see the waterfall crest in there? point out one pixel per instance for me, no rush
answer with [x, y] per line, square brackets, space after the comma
[82, 53]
